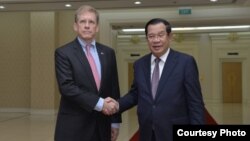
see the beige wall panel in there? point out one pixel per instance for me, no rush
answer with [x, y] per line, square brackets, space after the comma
[42, 60]
[65, 27]
[14, 60]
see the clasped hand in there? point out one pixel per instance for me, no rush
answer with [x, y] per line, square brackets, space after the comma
[110, 106]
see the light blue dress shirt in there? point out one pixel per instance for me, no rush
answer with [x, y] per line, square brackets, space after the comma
[94, 53]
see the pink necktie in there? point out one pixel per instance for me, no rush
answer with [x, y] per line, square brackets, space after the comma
[93, 66]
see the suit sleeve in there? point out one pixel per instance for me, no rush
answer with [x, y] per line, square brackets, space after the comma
[68, 87]
[115, 89]
[193, 93]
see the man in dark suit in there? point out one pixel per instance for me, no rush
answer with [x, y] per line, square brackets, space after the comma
[87, 76]
[166, 87]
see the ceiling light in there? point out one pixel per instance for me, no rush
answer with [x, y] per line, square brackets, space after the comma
[137, 2]
[2, 7]
[213, 0]
[133, 30]
[68, 5]
[212, 28]
[246, 27]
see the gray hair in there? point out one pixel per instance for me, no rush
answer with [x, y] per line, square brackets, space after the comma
[86, 8]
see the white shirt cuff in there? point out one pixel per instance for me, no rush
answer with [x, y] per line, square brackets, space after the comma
[99, 105]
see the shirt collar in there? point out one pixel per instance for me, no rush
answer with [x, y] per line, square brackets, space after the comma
[83, 43]
[163, 57]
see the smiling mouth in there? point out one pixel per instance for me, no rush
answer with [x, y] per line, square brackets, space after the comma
[156, 47]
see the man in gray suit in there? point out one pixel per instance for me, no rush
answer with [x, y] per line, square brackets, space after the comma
[166, 87]
[87, 76]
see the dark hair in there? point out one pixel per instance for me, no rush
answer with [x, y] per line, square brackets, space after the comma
[156, 21]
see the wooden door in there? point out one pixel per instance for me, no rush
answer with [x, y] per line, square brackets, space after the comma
[232, 82]
[130, 74]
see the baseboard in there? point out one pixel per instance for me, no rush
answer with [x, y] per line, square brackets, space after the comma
[43, 111]
[15, 110]
[29, 111]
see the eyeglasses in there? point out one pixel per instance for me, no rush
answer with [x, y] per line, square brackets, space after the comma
[160, 35]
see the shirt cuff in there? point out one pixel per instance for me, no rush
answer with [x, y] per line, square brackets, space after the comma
[115, 125]
[99, 105]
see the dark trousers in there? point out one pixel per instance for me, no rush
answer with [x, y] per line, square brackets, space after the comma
[153, 136]
[96, 136]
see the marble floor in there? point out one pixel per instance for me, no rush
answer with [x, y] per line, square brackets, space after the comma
[26, 127]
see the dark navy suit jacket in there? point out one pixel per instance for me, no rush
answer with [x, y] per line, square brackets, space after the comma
[178, 99]
[77, 120]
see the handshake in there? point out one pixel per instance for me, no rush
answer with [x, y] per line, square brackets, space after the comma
[110, 106]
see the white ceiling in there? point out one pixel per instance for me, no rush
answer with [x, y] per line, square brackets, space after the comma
[54, 5]
[41, 5]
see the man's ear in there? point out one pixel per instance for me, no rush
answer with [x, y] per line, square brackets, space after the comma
[170, 36]
[97, 28]
[75, 27]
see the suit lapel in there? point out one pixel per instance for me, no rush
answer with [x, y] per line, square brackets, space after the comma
[147, 72]
[168, 68]
[84, 61]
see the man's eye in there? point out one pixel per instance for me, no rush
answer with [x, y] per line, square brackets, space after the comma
[161, 35]
[82, 21]
[91, 22]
